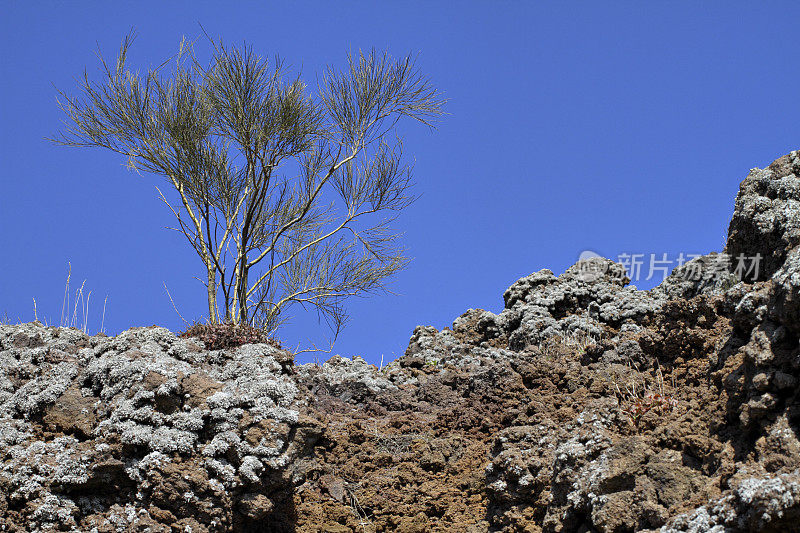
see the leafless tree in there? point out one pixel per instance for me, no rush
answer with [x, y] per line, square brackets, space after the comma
[287, 196]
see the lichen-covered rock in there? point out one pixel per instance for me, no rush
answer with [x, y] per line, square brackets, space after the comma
[350, 380]
[580, 304]
[770, 503]
[765, 220]
[708, 274]
[167, 432]
[787, 291]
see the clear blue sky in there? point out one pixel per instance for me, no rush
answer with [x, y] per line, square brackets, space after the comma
[619, 127]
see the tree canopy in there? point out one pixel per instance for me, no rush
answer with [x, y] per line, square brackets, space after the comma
[287, 195]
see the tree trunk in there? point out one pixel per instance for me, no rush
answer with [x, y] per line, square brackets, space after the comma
[242, 291]
[212, 291]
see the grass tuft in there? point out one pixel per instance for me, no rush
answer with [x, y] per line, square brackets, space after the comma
[636, 397]
[79, 312]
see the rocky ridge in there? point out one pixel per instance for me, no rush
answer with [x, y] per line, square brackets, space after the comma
[585, 405]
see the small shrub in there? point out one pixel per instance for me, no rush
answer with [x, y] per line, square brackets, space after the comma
[636, 398]
[652, 401]
[220, 336]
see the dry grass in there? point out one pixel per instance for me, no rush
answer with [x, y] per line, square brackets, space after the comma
[566, 343]
[364, 519]
[74, 314]
[641, 393]
[395, 444]
[5, 320]
[79, 299]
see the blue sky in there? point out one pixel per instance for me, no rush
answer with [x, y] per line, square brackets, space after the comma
[617, 127]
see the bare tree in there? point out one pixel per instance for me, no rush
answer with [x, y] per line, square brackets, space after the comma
[287, 197]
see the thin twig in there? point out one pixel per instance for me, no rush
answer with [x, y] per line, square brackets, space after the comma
[173, 305]
[75, 310]
[86, 314]
[102, 323]
[65, 303]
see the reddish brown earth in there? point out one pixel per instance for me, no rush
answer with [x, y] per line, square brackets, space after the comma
[416, 459]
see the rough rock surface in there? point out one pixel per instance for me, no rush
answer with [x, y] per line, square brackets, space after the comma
[765, 220]
[142, 429]
[585, 405]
